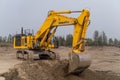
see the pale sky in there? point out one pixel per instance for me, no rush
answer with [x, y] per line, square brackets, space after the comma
[14, 14]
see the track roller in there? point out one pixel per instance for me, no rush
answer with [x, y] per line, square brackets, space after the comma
[21, 54]
[47, 55]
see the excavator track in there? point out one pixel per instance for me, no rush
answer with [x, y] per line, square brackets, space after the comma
[44, 55]
[48, 55]
[22, 54]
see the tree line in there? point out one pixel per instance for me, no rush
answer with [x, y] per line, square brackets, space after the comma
[98, 39]
[6, 39]
[65, 41]
[101, 39]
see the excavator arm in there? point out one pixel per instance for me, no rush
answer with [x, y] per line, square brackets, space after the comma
[79, 60]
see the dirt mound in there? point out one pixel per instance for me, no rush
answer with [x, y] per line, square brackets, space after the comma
[38, 70]
[105, 66]
[44, 70]
[5, 45]
[41, 70]
[52, 70]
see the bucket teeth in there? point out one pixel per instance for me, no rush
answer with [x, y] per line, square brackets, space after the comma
[79, 62]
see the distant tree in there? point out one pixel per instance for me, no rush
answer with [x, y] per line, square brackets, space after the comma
[96, 36]
[119, 43]
[100, 40]
[69, 39]
[104, 38]
[61, 41]
[10, 38]
[116, 42]
[0, 38]
[111, 42]
[55, 41]
[4, 39]
[89, 42]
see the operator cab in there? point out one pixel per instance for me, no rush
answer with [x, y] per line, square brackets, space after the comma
[21, 39]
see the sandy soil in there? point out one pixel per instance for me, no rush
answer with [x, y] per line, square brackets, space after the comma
[103, 58]
[105, 66]
[105, 61]
[7, 59]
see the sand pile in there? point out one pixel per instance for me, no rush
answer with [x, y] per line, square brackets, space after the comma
[52, 70]
[38, 70]
[105, 66]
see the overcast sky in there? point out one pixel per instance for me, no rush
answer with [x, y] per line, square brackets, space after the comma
[14, 14]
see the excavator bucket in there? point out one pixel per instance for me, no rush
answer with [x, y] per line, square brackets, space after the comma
[78, 62]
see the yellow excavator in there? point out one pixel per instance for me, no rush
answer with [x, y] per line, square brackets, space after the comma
[43, 41]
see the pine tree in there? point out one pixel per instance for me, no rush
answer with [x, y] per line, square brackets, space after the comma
[111, 42]
[61, 41]
[0, 38]
[100, 40]
[96, 36]
[89, 42]
[116, 42]
[10, 38]
[69, 39]
[104, 38]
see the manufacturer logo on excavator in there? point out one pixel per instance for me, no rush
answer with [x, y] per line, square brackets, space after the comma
[64, 22]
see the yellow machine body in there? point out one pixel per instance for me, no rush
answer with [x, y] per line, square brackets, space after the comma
[78, 57]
